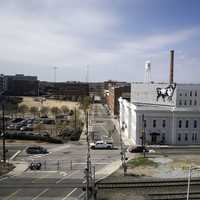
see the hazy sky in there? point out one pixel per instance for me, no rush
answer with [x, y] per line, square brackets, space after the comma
[113, 37]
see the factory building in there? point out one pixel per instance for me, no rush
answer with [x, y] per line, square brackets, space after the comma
[164, 113]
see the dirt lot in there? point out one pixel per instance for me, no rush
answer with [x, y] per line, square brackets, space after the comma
[167, 166]
[29, 101]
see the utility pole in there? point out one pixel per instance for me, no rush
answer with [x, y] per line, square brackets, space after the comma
[75, 120]
[88, 169]
[123, 153]
[143, 135]
[55, 91]
[3, 132]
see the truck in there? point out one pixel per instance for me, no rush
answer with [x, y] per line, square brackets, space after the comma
[101, 145]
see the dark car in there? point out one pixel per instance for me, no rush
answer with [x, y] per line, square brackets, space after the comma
[36, 150]
[137, 149]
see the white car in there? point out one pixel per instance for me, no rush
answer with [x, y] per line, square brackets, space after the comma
[101, 145]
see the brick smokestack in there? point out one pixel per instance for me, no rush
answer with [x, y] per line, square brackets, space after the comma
[171, 72]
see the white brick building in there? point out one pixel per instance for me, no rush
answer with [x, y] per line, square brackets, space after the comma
[171, 113]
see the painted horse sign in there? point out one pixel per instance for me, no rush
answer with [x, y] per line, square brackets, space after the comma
[166, 92]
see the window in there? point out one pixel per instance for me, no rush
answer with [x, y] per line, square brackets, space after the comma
[180, 94]
[192, 136]
[195, 123]
[186, 124]
[195, 137]
[179, 137]
[185, 102]
[186, 94]
[179, 123]
[186, 136]
[163, 123]
[190, 93]
[190, 102]
[154, 123]
[145, 123]
[163, 137]
[195, 102]
[195, 93]
[180, 102]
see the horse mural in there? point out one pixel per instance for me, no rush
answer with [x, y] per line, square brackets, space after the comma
[166, 92]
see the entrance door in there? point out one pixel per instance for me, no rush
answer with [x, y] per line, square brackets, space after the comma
[154, 139]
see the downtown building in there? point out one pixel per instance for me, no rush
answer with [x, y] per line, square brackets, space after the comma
[167, 113]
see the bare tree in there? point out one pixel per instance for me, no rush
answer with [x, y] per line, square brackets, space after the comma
[23, 109]
[34, 110]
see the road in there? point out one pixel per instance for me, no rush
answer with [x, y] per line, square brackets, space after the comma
[62, 173]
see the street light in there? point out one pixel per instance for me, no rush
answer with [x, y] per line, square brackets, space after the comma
[123, 151]
[191, 168]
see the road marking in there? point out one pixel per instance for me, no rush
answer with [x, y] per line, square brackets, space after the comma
[60, 180]
[41, 193]
[104, 129]
[15, 155]
[69, 194]
[12, 195]
[3, 178]
[40, 178]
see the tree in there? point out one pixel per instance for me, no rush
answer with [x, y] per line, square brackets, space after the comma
[23, 109]
[65, 109]
[55, 110]
[11, 108]
[85, 103]
[44, 110]
[34, 110]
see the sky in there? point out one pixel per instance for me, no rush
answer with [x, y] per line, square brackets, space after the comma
[97, 40]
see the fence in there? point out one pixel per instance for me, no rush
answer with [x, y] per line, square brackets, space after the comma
[49, 165]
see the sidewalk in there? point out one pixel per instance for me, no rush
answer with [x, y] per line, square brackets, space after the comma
[108, 170]
[20, 167]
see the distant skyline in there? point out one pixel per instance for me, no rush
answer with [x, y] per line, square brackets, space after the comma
[113, 37]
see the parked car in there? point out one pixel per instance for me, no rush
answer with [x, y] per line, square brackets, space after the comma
[36, 150]
[137, 149]
[26, 128]
[101, 145]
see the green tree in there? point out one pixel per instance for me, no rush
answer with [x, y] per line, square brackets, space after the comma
[23, 109]
[65, 109]
[34, 110]
[44, 110]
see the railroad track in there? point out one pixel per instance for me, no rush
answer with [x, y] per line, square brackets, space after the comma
[147, 184]
[166, 189]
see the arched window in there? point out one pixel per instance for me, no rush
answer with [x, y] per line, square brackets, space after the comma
[186, 124]
[164, 123]
[195, 123]
[179, 123]
[186, 136]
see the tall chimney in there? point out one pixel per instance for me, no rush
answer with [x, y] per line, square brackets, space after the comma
[171, 72]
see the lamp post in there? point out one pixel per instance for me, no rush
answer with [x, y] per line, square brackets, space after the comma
[123, 151]
[143, 135]
[3, 133]
[191, 168]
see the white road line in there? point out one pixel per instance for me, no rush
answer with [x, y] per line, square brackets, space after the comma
[3, 178]
[60, 180]
[15, 155]
[12, 194]
[69, 194]
[41, 193]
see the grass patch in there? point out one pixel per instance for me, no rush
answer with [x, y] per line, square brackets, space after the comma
[141, 161]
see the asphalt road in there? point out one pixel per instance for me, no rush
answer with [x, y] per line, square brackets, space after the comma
[62, 173]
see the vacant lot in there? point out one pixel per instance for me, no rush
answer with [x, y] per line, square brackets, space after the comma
[29, 101]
